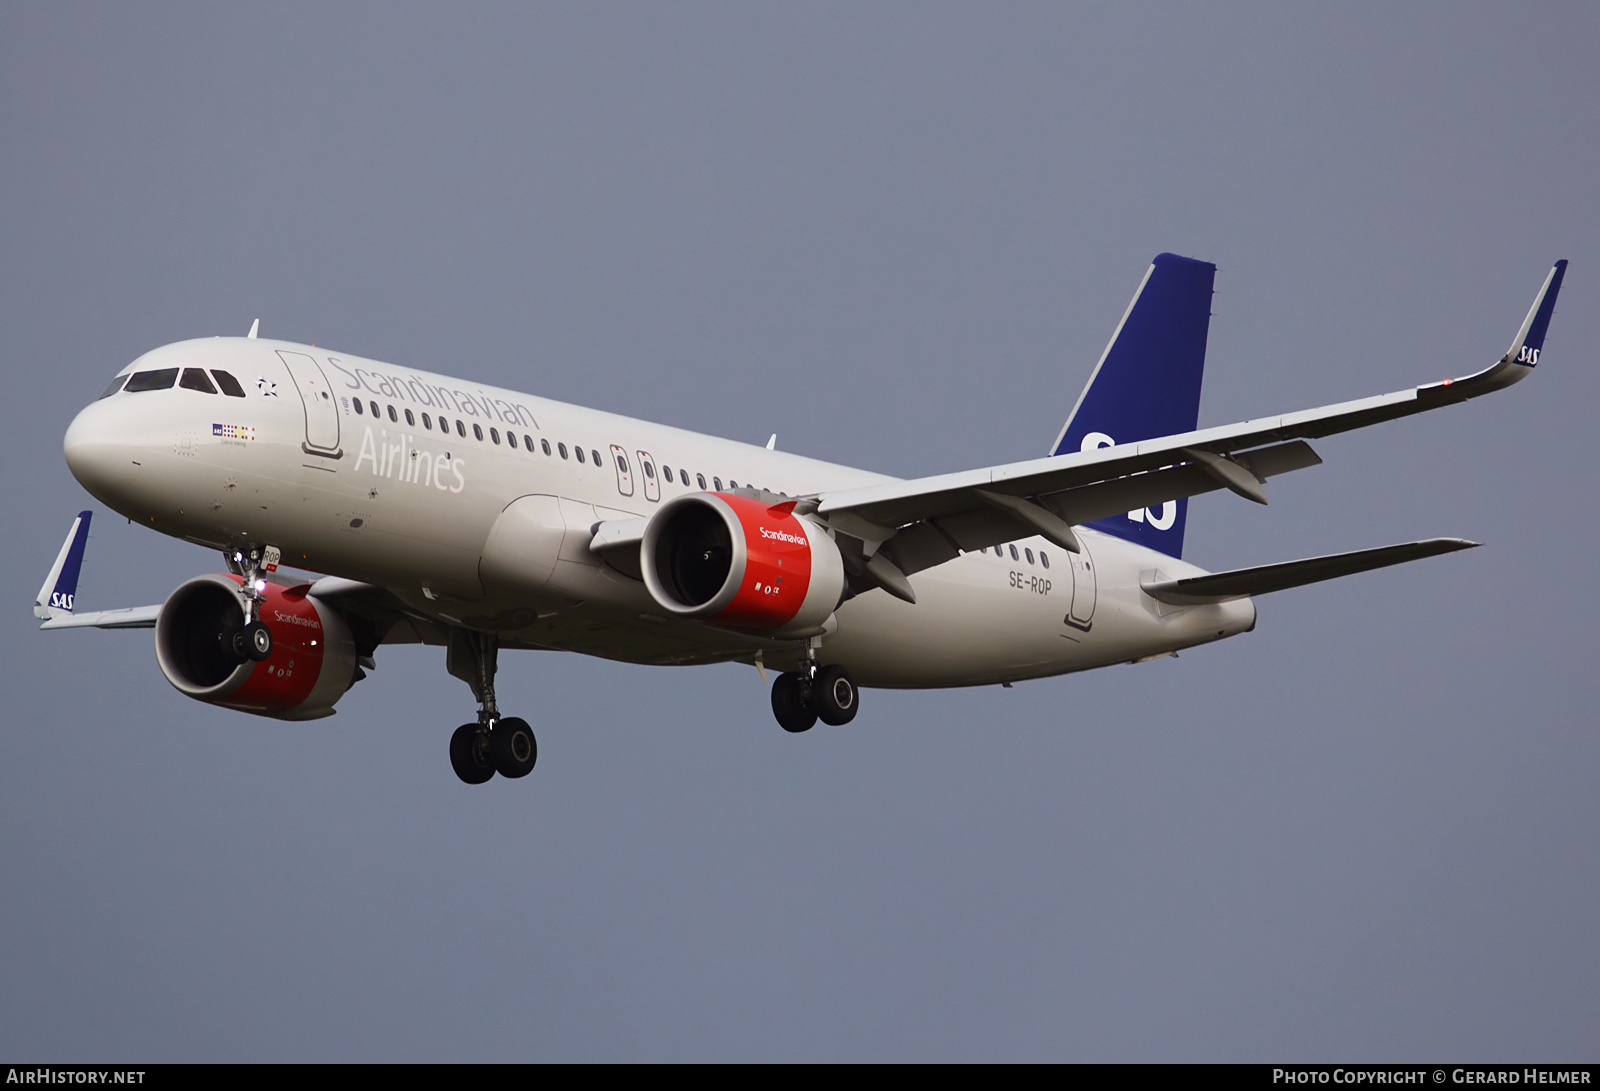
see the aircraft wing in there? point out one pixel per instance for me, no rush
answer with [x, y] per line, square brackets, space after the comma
[927, 521]
[53, 605]
[129, 617]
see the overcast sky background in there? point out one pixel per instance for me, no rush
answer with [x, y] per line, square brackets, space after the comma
[898, 235]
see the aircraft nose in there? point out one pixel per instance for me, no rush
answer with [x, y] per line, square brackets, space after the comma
[93, 455]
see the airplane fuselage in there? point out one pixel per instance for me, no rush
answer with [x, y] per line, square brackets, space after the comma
[475, 507]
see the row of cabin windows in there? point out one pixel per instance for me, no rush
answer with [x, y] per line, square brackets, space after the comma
[528, 442]
[1000, 551]
[192, 378]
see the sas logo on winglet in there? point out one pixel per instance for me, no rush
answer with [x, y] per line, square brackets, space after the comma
[1169, 508]
[241, 432]
[1528, 356]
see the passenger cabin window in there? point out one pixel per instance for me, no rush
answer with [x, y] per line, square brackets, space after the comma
[374, 407]
[230, 386]
[666, 474]
[461, 430]
[359, 410]
[622, 464]
[1014, 556]
[494, 435]
[427, 421]
[1044, 558]
[544, 443]
[477, 433]
[702, 479]
[195, 379]
[683, 475]
[717, 481]
[392, 416]
[527, 441]
[562, 447]
[116, 385]
[596, 456]
[579, 452]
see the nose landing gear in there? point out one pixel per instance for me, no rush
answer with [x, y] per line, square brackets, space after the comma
[252, 641]
[495, 744]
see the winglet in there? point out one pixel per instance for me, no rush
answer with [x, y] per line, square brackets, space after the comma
[1519, 359]
[60, 587]
[1530, 338]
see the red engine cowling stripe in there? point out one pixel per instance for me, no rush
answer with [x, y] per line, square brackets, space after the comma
[286, 678]
[777, 570]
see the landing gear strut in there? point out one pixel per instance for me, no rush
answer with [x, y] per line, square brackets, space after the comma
[801, 698]
[495, 744]
[252, 640]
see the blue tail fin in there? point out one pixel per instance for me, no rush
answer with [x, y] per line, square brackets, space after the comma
[1147, 385]
[60, 588]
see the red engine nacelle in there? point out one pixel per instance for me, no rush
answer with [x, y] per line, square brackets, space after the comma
[739, 563]
[313, 660]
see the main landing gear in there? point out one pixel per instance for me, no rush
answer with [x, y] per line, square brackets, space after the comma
[495, 744]
[801, 698]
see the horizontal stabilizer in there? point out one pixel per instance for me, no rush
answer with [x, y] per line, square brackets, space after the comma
[1244, 582]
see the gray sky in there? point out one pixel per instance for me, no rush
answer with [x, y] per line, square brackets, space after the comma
[897, 235]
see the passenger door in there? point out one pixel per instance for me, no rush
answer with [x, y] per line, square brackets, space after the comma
[316, 395]
[624, 474]
[1085, 588]
[652, 484]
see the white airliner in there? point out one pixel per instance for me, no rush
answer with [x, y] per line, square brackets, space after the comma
[440, 511]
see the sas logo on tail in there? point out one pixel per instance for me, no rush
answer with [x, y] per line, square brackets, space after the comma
[1162, 520]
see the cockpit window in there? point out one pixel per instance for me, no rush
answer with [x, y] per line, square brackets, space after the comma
[116, 385]
[195, 379]
[230, 386]
[152, 380]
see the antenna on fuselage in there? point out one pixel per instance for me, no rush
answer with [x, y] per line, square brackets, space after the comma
[772, 443]
[254, 327]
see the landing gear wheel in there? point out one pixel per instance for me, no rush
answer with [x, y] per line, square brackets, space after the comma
[469, 754]
[791, 703]
[253, 642]
[834, 694]
[513, 747]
